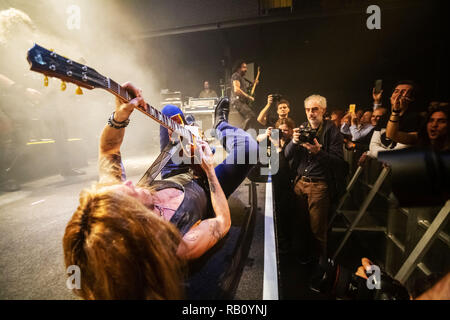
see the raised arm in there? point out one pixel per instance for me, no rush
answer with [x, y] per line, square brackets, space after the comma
[393, 132]
[208, 232]
[376, 98]
[110, 164]
[262, 117]
[393, 128]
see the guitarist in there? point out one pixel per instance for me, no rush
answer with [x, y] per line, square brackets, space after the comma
[240, 97]
[130, 241]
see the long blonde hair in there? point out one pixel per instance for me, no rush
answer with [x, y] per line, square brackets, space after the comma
[123, 250]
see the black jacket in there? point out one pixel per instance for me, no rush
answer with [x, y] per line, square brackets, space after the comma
[331, 157]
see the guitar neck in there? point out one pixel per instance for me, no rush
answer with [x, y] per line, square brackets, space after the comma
[152, 112]
[51, 64]
[254, 84]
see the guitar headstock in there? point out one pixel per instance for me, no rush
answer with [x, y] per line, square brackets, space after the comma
[53, 65]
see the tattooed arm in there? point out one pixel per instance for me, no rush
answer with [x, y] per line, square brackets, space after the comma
[208, 232]
[110, 165]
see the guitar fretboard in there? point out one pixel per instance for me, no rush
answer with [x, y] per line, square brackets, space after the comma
[152, 112]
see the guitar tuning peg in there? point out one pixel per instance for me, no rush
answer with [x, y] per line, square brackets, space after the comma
[79, 91]
[45, 81]
[63, 86]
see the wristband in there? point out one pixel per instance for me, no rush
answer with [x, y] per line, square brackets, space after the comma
[117, 124]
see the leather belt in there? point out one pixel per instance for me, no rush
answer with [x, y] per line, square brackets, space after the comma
[308, 179]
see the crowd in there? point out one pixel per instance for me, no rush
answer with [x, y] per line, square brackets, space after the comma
[315, 169]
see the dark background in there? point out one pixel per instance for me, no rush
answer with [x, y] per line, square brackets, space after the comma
[316, 46]
[329, 52]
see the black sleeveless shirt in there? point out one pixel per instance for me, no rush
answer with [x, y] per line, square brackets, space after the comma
[196, 204]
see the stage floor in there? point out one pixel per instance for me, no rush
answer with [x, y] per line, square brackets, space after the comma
[32, 223]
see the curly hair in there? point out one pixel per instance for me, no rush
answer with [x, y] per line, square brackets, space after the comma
[237, 65]
[287, 121]
[123, 250]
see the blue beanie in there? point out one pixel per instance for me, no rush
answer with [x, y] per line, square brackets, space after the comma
[171, 110]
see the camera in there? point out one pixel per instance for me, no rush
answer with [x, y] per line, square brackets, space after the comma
[336, 281]
[281, 135]
[307, 134]
[276, 97]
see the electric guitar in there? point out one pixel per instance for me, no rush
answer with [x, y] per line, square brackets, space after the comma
[252, 92]
[53, 65]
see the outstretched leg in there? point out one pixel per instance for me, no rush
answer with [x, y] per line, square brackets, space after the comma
[242, 156]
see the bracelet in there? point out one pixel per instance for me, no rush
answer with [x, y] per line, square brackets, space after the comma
[116, 124]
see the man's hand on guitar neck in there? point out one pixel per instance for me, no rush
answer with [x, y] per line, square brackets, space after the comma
[111, 138]
[123, 108]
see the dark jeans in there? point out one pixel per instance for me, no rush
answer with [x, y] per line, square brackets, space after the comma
[247, 113]
[243, 109]
[238, 143]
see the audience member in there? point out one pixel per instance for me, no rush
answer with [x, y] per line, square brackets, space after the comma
[403, 118]
[336, 116]
[282, 185]
[359, 128]
[315, 164]
[267, 118]
[433, 133]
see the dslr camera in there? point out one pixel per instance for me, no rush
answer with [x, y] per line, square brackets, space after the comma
[280, 134]
[307, 134]
[276, 97]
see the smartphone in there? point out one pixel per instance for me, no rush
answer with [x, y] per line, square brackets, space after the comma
[378, 85]
[351, 108]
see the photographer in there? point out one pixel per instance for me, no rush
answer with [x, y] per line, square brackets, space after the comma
[370, 282]
[283, 109]
[430, 289]
[281, 180]
[286, 129]
[316, 155]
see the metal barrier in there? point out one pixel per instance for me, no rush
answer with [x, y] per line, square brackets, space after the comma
[414, 246]
[365, 204]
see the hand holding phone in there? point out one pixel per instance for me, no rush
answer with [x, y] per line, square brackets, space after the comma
[378, 86]
[377, 91]
[351, 108]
